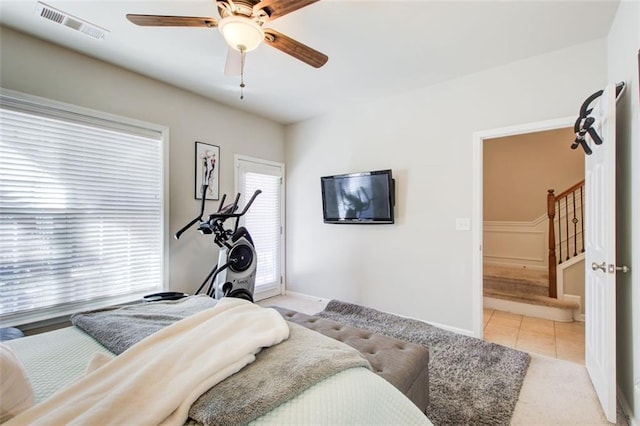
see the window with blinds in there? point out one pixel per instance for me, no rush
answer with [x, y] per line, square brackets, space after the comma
[264, 220]
[81, 209]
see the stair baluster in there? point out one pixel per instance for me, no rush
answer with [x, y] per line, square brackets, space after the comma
[566, 222]
[582, 219]
[575, 226]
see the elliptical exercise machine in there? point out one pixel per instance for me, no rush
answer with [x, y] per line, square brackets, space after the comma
[235, 273]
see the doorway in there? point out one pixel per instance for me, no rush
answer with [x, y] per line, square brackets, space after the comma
[518, 171]
[600, 244]
[479, 139]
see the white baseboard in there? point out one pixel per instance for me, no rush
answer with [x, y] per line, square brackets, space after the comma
[435, 324]
[444, 327]
[452, 329]
[577, 314]
[306, 296]
[626, 408]
[520, 308]
[513, 265]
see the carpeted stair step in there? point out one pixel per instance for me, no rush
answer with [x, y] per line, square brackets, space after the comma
[511, 285]
[517, 281]
[532, 299]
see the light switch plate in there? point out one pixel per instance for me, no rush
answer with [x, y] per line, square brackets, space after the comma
[463, 224]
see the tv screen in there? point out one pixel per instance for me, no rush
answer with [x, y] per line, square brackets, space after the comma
[366, 197]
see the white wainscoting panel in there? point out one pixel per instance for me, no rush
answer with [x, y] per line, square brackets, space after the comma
[517, 244]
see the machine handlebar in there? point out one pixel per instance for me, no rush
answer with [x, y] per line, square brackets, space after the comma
[221, 213]
[225, 216]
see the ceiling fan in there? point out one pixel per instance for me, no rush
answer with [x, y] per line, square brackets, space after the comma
[241, 25]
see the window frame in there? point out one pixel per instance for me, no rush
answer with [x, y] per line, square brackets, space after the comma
[88, 116]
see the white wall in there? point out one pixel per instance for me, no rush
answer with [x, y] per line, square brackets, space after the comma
[623, 47]
[421, 266]
[39, 68]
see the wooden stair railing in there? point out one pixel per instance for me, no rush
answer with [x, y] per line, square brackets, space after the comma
[572, 199]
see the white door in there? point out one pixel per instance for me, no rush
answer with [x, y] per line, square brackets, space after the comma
[600, 249]
[264, 220]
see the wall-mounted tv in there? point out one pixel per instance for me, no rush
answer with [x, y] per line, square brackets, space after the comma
[363, 198]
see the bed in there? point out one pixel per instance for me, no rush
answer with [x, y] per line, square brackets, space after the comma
[58, 359]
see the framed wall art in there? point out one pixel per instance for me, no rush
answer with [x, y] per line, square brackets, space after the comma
[207, 170]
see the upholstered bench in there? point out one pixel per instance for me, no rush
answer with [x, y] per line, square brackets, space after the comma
[405, 365]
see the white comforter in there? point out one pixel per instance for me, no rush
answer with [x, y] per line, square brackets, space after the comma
[188, 357]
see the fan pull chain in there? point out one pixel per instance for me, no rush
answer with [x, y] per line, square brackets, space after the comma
[242, 85]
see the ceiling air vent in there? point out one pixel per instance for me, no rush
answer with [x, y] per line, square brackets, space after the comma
[55, 15]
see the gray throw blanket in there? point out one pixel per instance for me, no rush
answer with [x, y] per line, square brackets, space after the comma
[279, 373]
[119, 327]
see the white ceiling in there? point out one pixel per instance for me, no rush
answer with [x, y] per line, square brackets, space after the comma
[375, 48]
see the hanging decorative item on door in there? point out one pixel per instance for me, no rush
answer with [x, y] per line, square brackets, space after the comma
[588, 123]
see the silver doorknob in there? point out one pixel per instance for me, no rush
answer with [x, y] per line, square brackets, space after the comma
[595, 266]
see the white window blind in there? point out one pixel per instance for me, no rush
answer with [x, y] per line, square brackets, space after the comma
[264, 221]
[81, 210]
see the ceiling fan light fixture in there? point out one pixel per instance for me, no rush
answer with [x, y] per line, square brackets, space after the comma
[241, 33]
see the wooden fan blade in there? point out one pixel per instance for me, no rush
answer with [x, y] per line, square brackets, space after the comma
[278, 8]
[171, 21]
[233, 66]
[295, 48]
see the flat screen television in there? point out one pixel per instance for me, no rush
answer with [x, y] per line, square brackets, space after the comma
[363, 198]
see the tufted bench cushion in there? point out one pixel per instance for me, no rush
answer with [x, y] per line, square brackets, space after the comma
[405, 365]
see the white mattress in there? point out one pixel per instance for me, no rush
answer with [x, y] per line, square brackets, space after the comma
[353, 396]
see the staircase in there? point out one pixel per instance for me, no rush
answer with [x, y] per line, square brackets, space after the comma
[525, 292]
[532, 291]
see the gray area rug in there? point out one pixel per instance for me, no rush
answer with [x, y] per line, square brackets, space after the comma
[471, 382]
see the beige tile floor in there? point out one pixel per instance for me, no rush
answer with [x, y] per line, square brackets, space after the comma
[561, 340]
